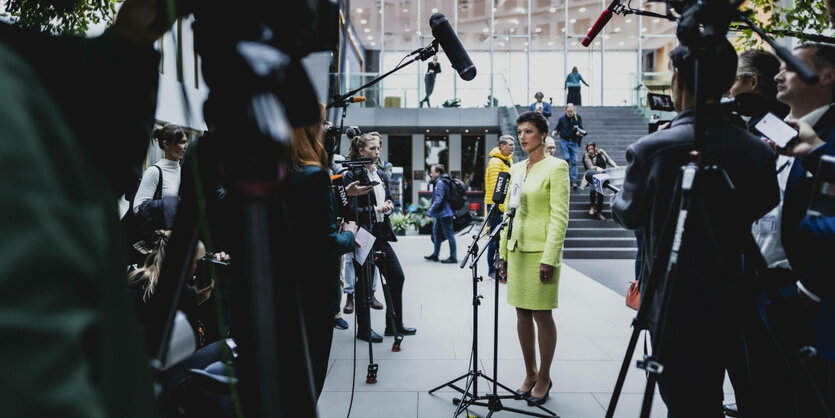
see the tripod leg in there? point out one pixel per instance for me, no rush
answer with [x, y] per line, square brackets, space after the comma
[390, 314]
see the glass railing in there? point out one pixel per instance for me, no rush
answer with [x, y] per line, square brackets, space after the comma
[659, 83]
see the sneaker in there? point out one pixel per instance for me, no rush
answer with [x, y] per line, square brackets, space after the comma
[450, 261]
[340, 324]
[492, 276]
[430, 257]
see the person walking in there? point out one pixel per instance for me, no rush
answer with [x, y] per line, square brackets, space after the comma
[572, 84]
[568, 127]
[501, 159]
[432, 70]
[533, 251]
[441, 210]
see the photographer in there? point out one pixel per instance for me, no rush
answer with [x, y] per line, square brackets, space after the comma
[710, 299]
[570, 130]
[377, 206]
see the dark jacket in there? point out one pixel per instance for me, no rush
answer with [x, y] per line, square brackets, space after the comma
[360, 208]
[705, 296]
[440, 207]
[546, 108]
[565, 126]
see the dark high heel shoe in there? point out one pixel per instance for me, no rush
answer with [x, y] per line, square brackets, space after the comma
[524, 394]
[534, 401]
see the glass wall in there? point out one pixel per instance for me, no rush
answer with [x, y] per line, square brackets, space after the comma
[519, 47]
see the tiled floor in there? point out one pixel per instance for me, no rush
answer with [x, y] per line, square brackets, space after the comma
[593, 331]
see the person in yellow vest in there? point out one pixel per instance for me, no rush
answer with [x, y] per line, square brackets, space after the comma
[501, 158]
[534, 252]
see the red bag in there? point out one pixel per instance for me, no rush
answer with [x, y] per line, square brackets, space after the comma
[633, 295]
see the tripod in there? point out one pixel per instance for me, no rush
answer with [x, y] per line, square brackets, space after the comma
[494, 402]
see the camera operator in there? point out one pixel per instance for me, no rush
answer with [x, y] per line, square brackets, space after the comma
[75, 348]
[703, 332]
[314, 254]
[570, 130]
[379, 201]
[802, 311]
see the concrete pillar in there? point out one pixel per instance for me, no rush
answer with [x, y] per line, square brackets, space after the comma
[492, 141]
[454, 153]
[418, 163]
[384, 147]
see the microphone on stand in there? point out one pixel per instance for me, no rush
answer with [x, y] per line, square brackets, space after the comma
[601, 22]
[500, 192]
[513, 204]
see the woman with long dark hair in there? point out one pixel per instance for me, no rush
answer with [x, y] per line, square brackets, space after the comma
[534, 252]
[373, 212]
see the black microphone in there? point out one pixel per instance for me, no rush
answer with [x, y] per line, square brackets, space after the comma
[453, 49]
[500, 192]
[341, 196]
[601, 22]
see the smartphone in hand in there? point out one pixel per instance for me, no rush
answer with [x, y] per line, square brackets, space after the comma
[776, 130]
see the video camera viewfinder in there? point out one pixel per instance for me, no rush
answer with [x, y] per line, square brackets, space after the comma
[661, 102]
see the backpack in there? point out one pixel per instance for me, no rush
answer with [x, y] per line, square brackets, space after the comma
[457, 194]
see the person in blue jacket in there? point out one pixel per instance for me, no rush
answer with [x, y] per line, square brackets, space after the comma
[540, 106]
[441, 210]
[572, 84]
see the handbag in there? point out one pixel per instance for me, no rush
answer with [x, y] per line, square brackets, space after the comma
[633, 295]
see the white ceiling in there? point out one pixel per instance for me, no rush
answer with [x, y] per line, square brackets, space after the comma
[404, 24]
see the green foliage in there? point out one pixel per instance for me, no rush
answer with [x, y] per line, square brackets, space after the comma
[418, 213]
[803, 16]
[400, 221]
[60, 16]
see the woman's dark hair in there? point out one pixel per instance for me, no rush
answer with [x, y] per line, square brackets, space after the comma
[591, 144]
[168, 133]
[536, 119]
[439, 168]
[359, 142]
[539, 94]
[574, 70]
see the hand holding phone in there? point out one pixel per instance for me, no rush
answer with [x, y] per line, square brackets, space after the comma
[776, 130]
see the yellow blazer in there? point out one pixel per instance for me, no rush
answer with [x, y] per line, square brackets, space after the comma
[542, 216]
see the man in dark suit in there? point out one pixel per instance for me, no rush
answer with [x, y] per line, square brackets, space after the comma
[704, 335]
[808, 294]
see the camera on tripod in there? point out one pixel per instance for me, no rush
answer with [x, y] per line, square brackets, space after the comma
[357, 167]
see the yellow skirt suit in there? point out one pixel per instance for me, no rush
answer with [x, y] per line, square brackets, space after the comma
[538, 233]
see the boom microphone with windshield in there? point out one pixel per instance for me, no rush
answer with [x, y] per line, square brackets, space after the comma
[453, 49]
[601, 22]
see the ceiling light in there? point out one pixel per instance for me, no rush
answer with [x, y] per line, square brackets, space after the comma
[628, 20]
[552, 9]
[514, 21]
[501, 43]
[485, 30]
[538, 30]
[366, 30]
[520, 10]
[526, 43]
[466, 131]
[550, 43]
[656, 20]
[572, 20]
[359, 10]
[363, 21]
[582, 10]
[373, 43]
[617, 29]
[563, 29]
[407, 29]
[574, 43]
[370, 37]
[512, 30]
[643, 29]
[405, 10]
[434, 10]
[620, 43]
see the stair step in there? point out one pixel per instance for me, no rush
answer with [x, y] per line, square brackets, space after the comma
[599, 232]
[600, 242]
[599, 253]
[591, 223]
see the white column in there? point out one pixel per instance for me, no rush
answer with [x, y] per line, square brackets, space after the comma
[418, 163]
[384, 147]
[454, 152]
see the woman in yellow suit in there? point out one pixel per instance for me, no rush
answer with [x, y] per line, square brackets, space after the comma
[534, 251]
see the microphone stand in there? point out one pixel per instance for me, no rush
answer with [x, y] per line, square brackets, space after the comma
[494, 403]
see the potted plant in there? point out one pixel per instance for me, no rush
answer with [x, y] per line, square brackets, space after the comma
[400, 222]
[419, 219]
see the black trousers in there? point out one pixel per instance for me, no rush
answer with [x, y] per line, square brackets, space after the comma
[595, 198]
[389, 266]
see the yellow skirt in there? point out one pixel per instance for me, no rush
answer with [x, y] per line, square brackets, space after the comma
[524, 289]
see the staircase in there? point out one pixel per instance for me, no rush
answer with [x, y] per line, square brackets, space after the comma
[613, 129]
